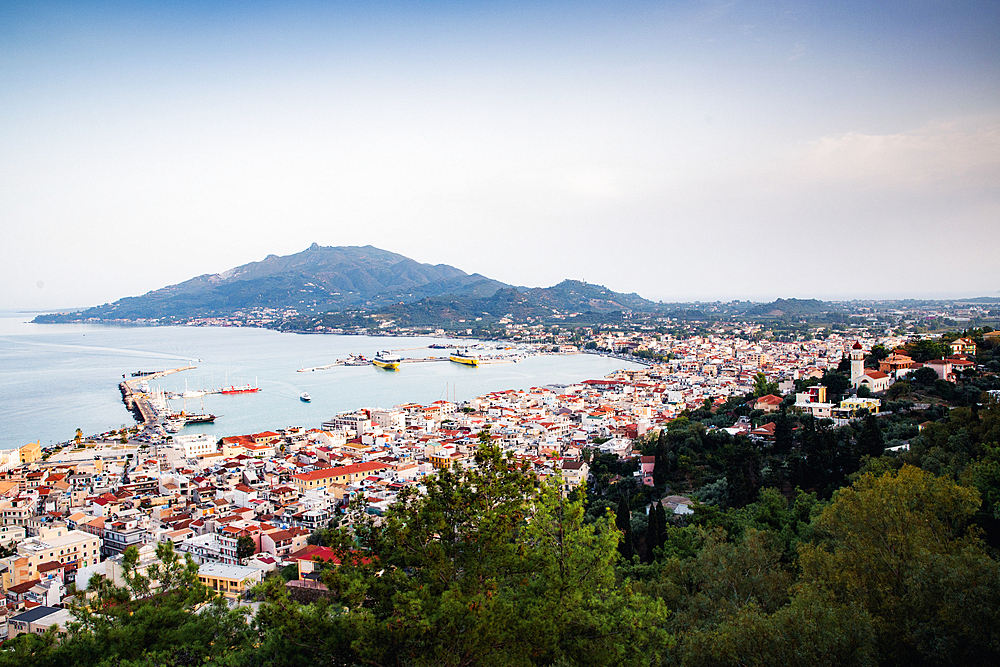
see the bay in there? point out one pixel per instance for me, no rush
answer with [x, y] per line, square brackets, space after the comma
[55, 378]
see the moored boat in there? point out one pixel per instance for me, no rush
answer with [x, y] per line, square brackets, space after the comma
[199, 419]
[463, 357]
[387, 360]
[239, 389]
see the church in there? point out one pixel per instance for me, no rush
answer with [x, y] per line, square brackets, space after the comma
[876, 381]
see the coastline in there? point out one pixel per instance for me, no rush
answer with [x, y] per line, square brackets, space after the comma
[61, 378]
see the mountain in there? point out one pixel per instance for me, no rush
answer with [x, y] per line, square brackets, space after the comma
[318, 279]
[339, 283]
[346, 286]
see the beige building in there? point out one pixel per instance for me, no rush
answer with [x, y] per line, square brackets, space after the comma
[58, 544]
[30, 452]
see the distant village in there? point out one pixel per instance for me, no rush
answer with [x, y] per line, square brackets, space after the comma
[246, 505]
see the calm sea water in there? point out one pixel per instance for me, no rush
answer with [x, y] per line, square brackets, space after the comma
[55, 378]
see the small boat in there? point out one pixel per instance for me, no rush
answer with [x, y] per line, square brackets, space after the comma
[387, 360]
[305, 397]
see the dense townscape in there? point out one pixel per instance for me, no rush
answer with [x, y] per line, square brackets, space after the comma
[399, 535]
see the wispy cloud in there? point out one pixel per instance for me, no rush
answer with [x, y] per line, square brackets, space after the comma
[935, 154]
[798, 50]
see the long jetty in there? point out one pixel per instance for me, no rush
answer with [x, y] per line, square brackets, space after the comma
[136, 401]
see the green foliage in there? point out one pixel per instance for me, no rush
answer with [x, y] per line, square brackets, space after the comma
[925, 350]
[898, 389]
[113, 628]
[924, 376]
[896, 546]
[761, 387]
[245, 547]
[488, 568]
[835, 383]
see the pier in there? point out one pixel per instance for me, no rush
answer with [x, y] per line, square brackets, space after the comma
[137, 402]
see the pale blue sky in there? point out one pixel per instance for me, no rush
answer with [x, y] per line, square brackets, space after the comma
[682, 150]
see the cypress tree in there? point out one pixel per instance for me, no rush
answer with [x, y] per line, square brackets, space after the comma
[661, 524]
[623, 520]
[654, 531]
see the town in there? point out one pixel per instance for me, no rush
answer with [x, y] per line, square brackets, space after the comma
[248, 505]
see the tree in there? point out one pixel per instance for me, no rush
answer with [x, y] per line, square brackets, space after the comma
[245, 547]
[898, 389]
[896, 546]
[761, 387]
[113, 628]
[488, 568]
[925, 376]
[835, 383]
[623, 521]
[79, 436]
[878, 353]
[925, 350]
[654, 532]
[743, 473]
[870, 440]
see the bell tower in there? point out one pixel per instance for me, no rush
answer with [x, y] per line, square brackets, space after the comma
[857, 363]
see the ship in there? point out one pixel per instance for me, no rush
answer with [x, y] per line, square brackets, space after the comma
[387, 360]
[199, 419]
[239, 389]
[184, 417]
[305, 397]
[464, 357]
[140, 374]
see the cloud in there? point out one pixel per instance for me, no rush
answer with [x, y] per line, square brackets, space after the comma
[945, 153]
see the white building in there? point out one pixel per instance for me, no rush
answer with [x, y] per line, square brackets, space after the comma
[196, 444]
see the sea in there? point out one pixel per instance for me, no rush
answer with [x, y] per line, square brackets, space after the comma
[57, 378]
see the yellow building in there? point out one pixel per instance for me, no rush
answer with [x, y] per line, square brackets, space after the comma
[852, 405]
[229, 580]
[30, 452]
[318, 479]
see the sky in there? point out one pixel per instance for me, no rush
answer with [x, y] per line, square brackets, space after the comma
[683, 150]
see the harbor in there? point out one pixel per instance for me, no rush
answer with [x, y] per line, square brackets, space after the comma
[80, 365]
[473, 355]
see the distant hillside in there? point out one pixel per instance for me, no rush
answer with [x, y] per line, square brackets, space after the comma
[318, 279]
[569, 300]
[790, 308]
